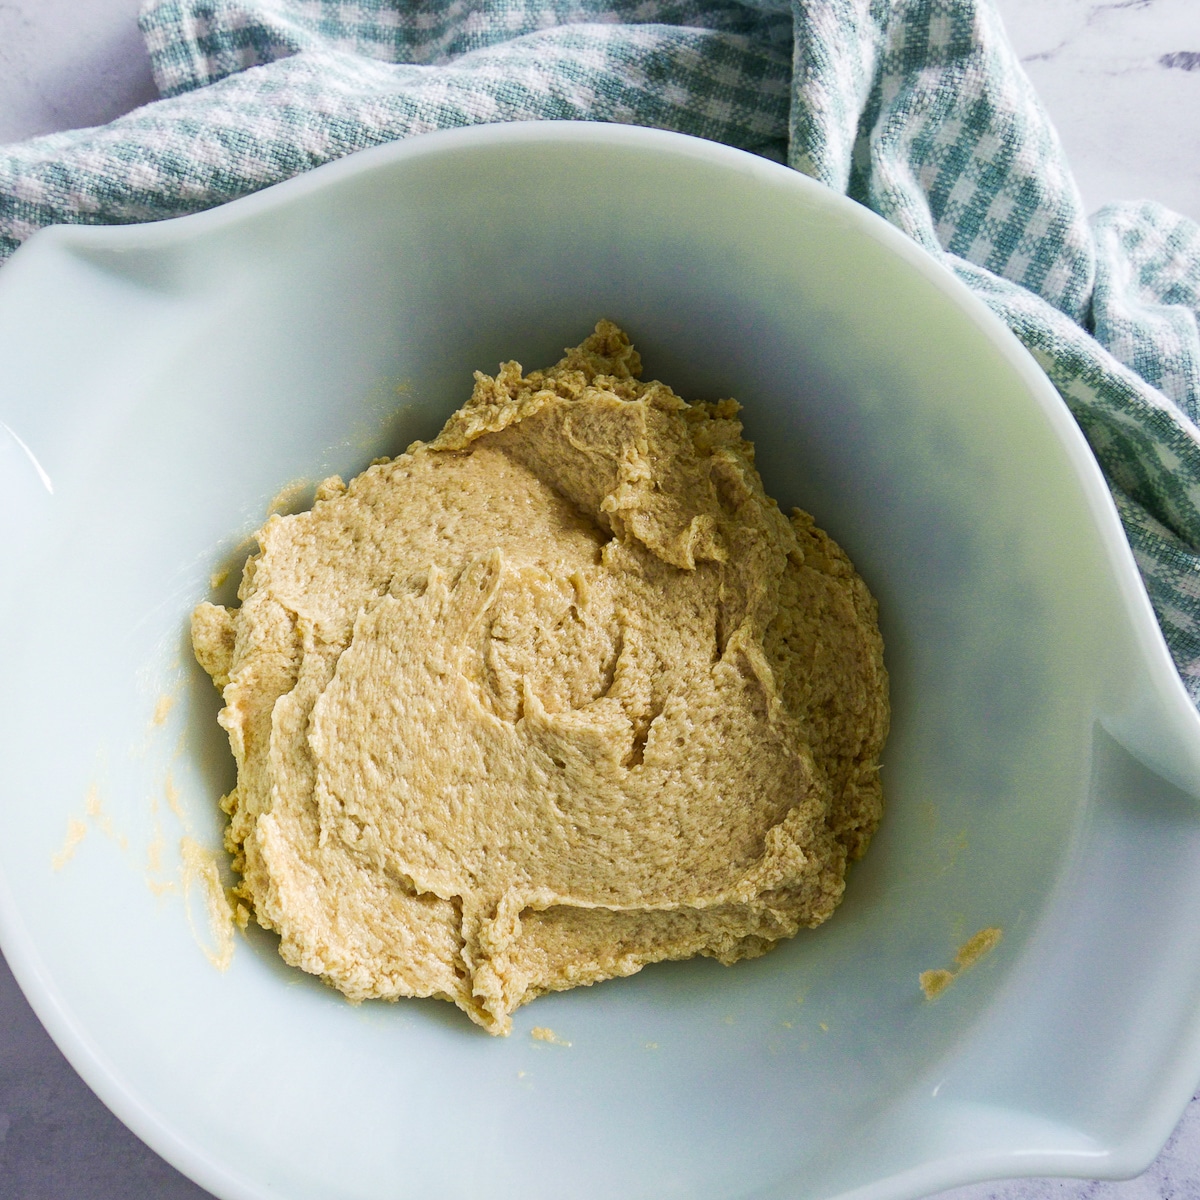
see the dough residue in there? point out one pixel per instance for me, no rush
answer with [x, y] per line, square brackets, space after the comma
[200, 869]
[554, 696]
[542, 1034]
[162, 709]
[935, 982]
[76, 832]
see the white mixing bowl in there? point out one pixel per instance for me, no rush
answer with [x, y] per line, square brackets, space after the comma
[161, 383]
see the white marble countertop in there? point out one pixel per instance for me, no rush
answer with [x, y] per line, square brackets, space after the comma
[1121, 80]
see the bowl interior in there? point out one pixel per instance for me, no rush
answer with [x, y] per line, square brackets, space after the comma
[176, 382]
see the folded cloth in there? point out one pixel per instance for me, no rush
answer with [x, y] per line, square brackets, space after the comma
[916, 108]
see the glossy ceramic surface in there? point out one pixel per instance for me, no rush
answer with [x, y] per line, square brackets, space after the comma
[163, 386]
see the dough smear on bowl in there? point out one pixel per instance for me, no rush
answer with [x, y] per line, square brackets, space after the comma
[556, 695]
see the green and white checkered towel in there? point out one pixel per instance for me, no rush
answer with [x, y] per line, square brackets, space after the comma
[917, 108]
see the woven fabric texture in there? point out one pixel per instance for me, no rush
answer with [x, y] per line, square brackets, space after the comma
[916, 108]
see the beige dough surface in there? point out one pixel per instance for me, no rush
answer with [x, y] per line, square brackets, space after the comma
[556, 695]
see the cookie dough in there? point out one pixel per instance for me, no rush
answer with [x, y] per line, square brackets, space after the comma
[556, 695]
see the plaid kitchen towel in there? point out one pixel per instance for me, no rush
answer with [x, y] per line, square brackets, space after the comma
[917, 108]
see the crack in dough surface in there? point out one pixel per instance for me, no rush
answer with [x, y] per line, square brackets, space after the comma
[556, 695]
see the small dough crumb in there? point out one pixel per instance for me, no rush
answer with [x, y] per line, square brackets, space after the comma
[934, 983]
[542, 1034]
[976, 946]
[554, 696]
